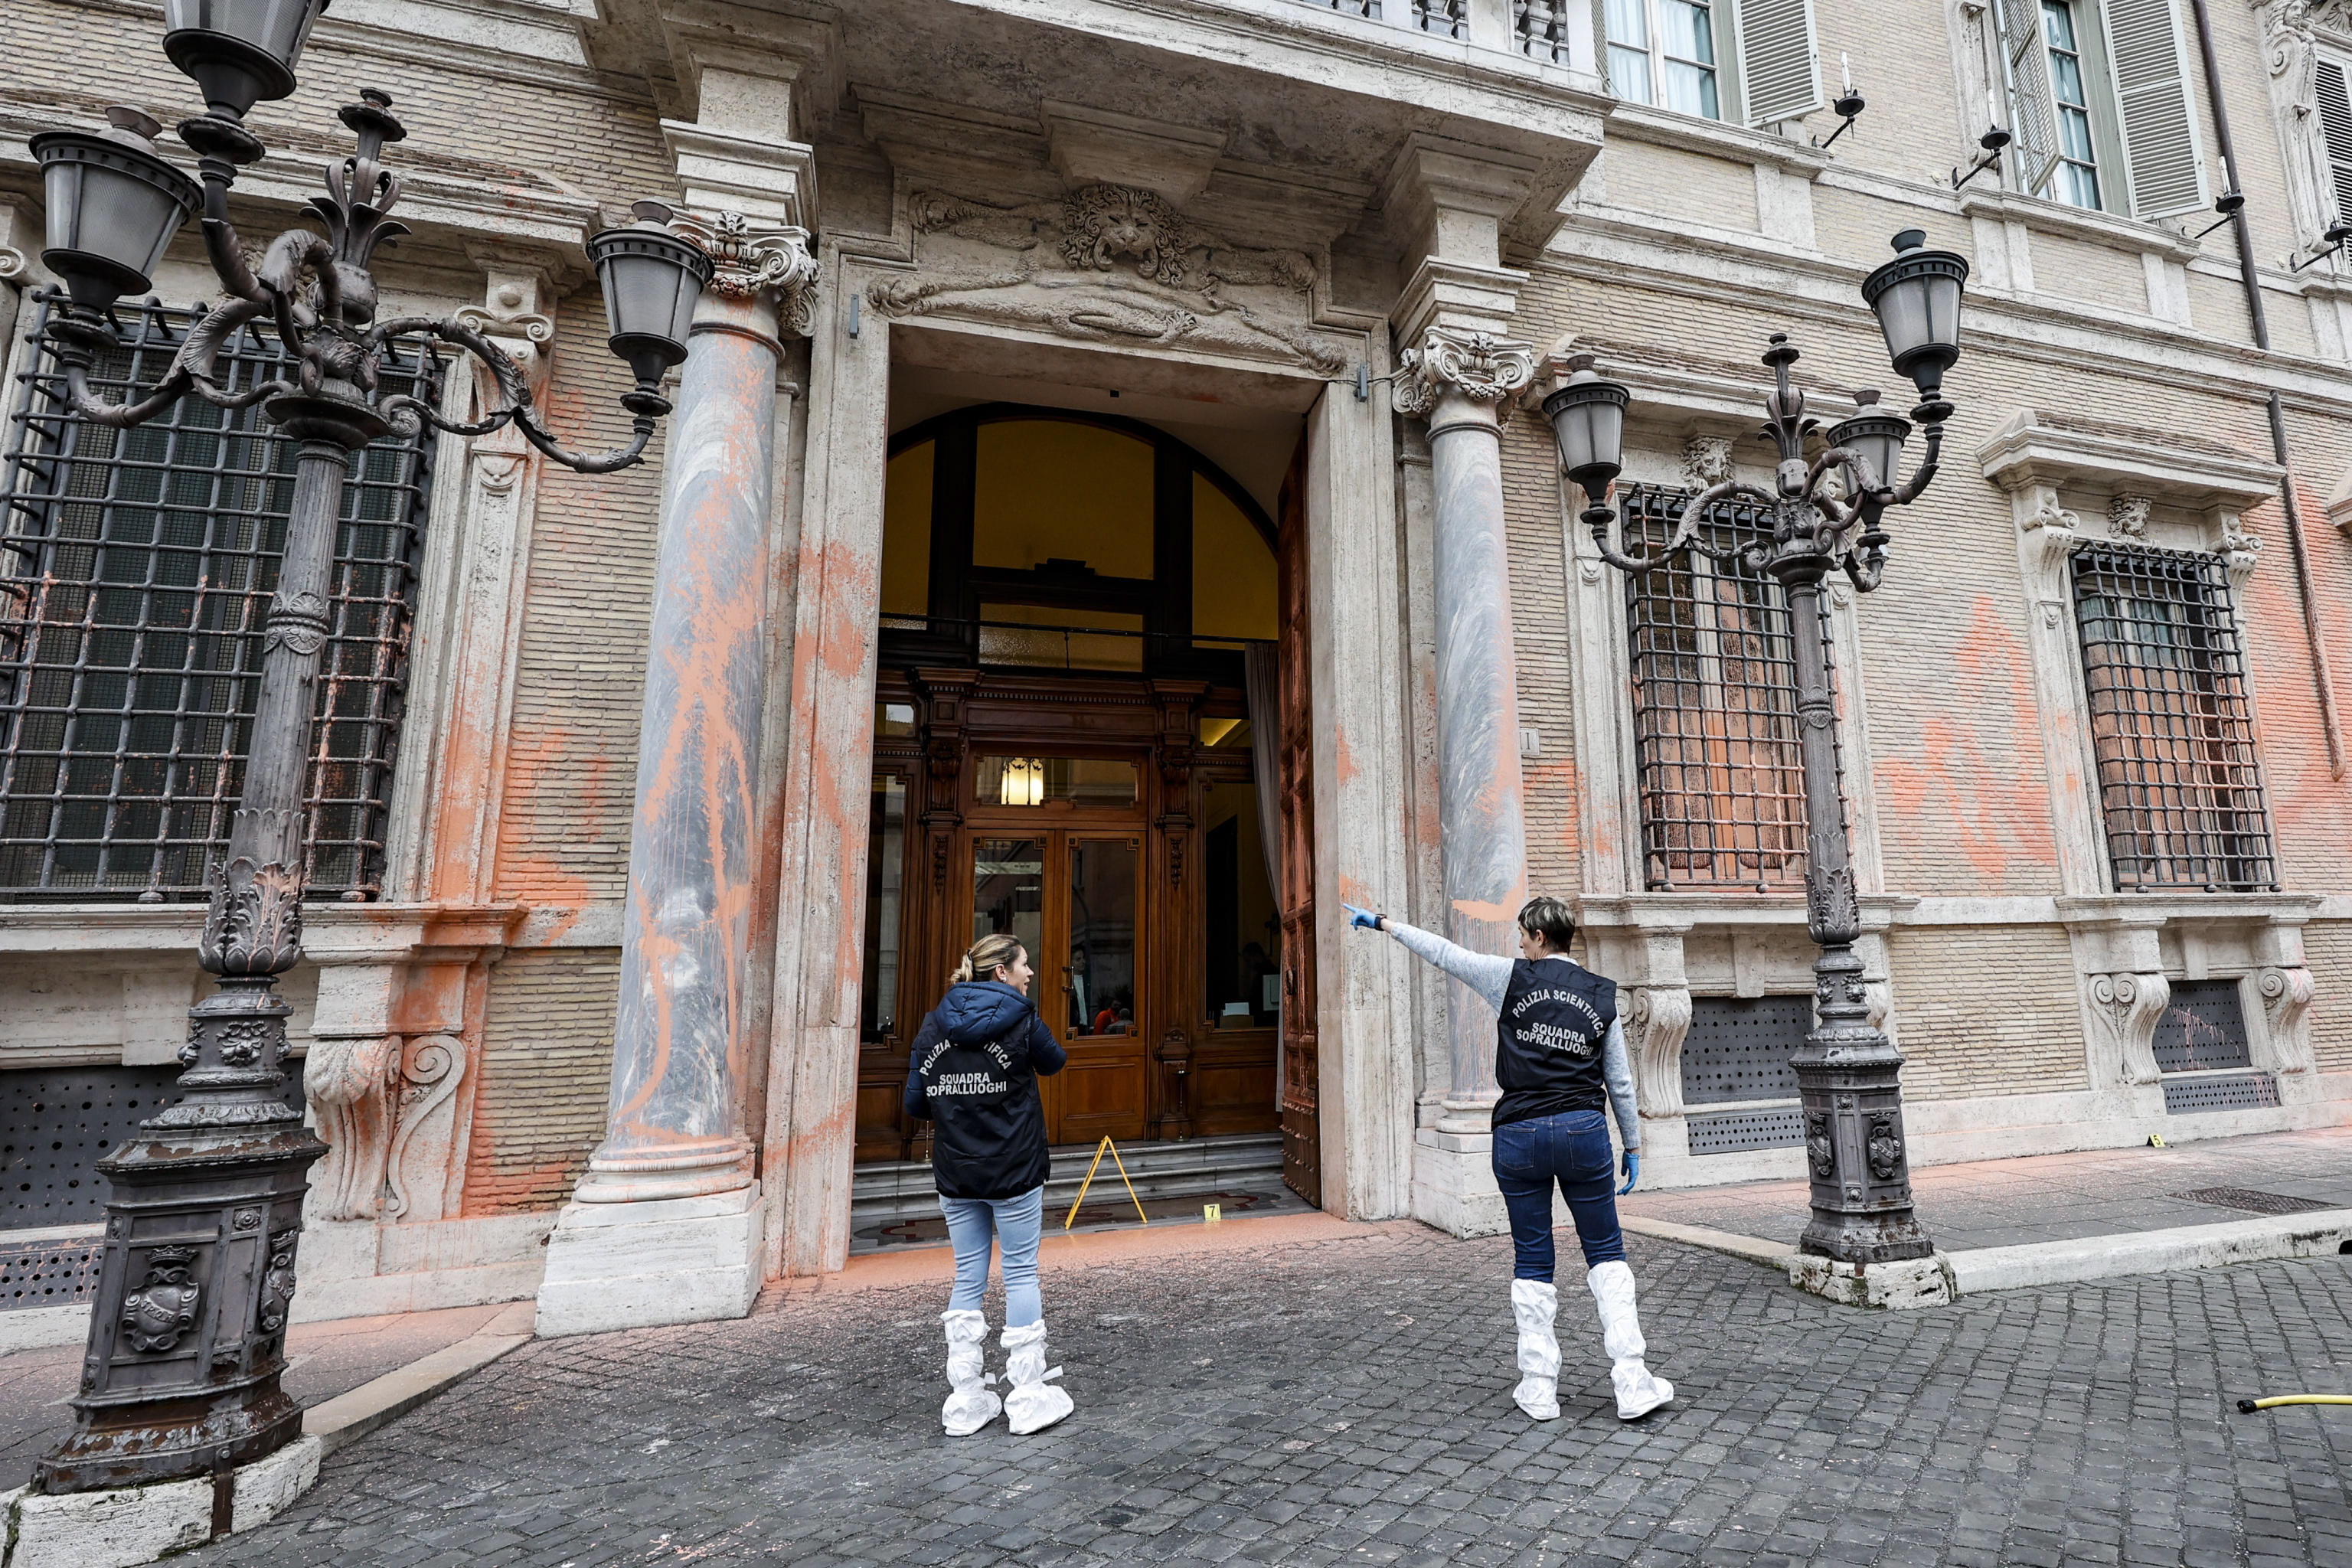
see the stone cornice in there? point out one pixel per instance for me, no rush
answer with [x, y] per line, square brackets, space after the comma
[2118, 910]
[1716, 139]
[331, 933]
[2031, 450]
[1644, 251]
[2104, 229]
[443, 202]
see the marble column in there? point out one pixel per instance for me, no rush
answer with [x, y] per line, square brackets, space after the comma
[665, 1225]
[1457, 380]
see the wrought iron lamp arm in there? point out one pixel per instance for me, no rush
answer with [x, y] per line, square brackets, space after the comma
[408, 414]
[78, 342]
[1600, 519]
[1917, 484]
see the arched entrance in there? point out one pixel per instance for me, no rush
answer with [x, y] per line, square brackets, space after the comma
[1076, 611]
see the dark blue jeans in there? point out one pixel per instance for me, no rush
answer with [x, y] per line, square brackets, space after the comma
[1573, 1149]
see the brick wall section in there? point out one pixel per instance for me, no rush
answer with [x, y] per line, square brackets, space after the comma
[1986, 1010]
[547, 1054]
[2327, 948]
[564, 835]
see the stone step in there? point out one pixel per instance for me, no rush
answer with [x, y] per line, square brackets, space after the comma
[886, 1192]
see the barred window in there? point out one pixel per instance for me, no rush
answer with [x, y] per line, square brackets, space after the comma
[2179, 785]
[135, 569]
[1714, 708]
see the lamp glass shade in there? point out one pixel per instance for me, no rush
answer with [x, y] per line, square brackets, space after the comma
[1877, 435]
[1917, 297]
[1588, 420]
[651, 281]
[238, 52]
[112, 208]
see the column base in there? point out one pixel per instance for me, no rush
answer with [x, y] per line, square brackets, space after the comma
[636, 1265]
[122, 1526]
[1454, 1183]
[1913, 1282]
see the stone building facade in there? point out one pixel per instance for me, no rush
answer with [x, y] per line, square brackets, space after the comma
[1155, 449]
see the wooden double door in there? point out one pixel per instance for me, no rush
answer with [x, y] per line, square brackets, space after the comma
[1076, 899]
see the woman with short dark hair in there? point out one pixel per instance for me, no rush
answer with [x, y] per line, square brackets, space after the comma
[1560, 1054]
[972, 1073]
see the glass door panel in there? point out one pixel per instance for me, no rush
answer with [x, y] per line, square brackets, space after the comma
[1101, 976]
[1008, 890]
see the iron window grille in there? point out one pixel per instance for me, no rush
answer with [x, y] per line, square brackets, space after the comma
[1717, 762]
[135, 568]
[2180, 787]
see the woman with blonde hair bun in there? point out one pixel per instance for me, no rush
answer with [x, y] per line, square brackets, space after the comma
[972, 1074]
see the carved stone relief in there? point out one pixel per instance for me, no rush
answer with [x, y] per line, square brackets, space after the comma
[1657, 1017]
[347, 1083]
[2286, 1009]
[417, 1174]
[1471, 364]
[1108, 264]
[2123, 1011]
[2127, 516]
[1707, 460]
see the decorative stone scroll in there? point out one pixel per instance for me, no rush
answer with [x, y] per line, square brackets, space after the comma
[2124, 1010]
[2286, 995]
[1657, 1018]
[1475, 366]
[386, 1106]
[1109, 263]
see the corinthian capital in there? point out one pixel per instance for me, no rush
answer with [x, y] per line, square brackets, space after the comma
[1470, 365]
[748, 260]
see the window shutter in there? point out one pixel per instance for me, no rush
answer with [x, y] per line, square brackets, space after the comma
[1779, 59]
[2152, 100]
[2033, 152]
[2335, 133]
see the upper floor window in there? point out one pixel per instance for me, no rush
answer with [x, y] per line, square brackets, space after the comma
[2180, 788]
[2099, 102]
[2078, 158]
[1663, 52]
[1720, 771]
[135, 569]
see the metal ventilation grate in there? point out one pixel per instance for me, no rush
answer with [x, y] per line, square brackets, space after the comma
[2220, 1091]
[52, 1273]
[2203, 1028]
[1738, 1047]
[2252, 1201]
[57, 1123]
[1729, 1132]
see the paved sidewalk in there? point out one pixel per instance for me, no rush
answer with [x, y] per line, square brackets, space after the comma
[325, 1360]
[2061, 1198]
[1341, 1395]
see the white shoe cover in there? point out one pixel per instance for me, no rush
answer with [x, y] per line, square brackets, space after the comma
[1034, 1402]
[1534, 1302]
[1638, 1391]
[970, 1406]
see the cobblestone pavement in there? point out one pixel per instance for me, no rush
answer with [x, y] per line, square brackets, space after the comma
[2057, 1197]
[1347, 1401]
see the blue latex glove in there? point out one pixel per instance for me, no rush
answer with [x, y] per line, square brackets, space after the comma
[1633, 1170]
[1364, 917]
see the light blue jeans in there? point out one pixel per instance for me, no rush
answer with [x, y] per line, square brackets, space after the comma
[1015, 1224]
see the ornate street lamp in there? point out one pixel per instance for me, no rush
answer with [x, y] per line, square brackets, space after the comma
[1848, 1073]
[187, 1331]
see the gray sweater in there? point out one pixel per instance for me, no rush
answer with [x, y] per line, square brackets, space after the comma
[1490, 977]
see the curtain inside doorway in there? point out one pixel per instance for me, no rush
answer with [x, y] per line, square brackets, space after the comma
[1262, 670]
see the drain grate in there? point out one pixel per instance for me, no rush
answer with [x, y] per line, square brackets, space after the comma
[1731, 1131]
[52, 1273]
[2253, 1202]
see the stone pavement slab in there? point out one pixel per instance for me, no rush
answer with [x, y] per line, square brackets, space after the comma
[326, 1358]
[2055, 1197]
[1344, 1396]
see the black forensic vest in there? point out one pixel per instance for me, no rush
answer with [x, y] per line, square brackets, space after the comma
[988, 1138]
[1548, 1040]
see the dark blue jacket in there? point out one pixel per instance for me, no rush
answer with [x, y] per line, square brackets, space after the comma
[972, 1073]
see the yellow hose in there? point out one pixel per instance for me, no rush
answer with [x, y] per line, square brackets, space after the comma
[2254, 1404]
